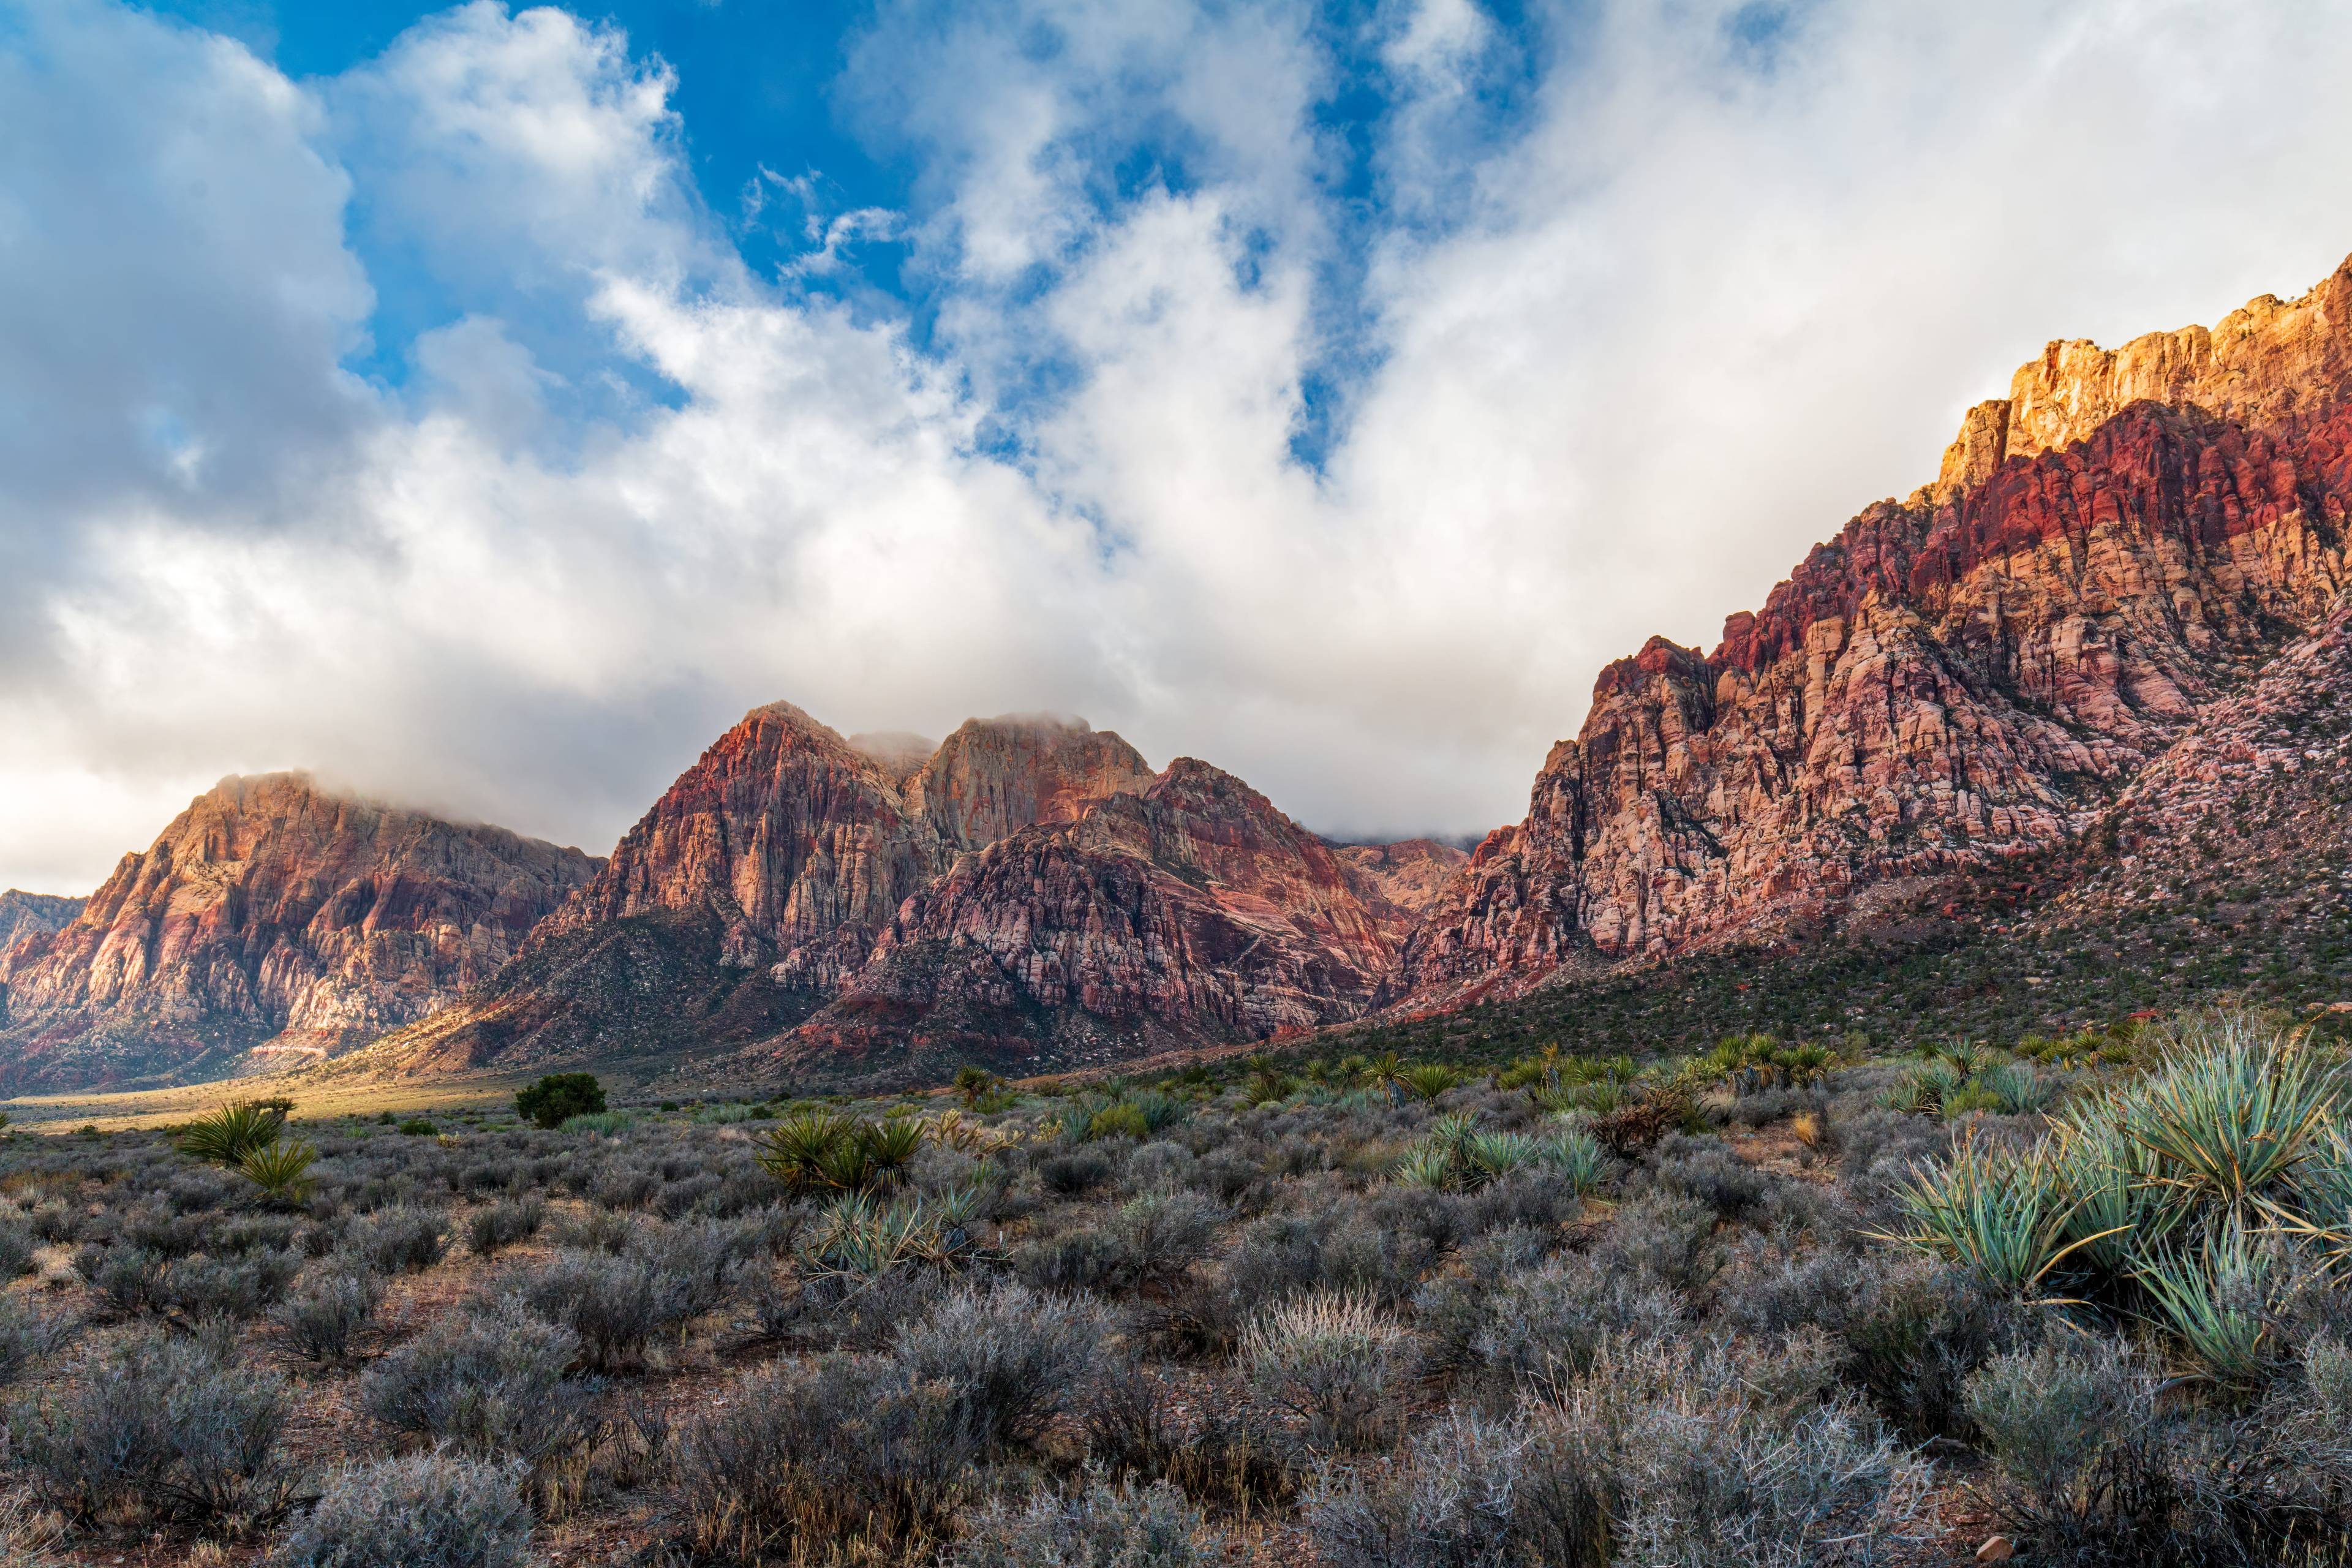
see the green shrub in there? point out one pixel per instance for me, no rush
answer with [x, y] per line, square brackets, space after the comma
[558, 1098]
[225, 1136]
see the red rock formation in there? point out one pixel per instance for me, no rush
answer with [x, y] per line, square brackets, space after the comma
[995, 776]
[27, 917]
[1193, 911]
[1399, 882]
[1971, 675]
[759, 884]
[275, 916]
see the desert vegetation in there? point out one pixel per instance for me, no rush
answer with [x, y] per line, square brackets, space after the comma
[1782, 1302]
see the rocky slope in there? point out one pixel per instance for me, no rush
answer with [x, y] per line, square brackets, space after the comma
[1399, 882]
[273, 919]
[759, 885]
[1192, 912]
[1971, 677]
[29, 916]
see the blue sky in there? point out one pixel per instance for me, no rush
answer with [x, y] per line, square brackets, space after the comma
[483, 406]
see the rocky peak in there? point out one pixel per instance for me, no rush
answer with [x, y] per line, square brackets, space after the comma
[273, 914]
[995, 776]
[898, 752]
[796, 844]
[1952, 681]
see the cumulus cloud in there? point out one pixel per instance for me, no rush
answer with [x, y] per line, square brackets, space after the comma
[1613, 315]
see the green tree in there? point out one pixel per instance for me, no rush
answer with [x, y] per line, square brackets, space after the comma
[559, 1097]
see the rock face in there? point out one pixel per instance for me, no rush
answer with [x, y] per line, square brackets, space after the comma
[272, 919]
[759, 885]
[1190, 912]
[28, 916]
[1974, 674]
[995, 776]
[1399, 882]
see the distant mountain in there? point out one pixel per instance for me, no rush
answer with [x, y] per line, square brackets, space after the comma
[2010, 663]
[801, 902]
[273, 920]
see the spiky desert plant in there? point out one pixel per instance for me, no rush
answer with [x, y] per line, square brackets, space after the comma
[2219, 1299]
[793, 1150]
[2017, 1089]
[2319, 1205]
[1427, 1080]
[1492, 1155]
[2234, 1112]
[228, 1135]
[2004, 1217]
[1577, 1156]
[280, 1170]
[1431, 1168]
[2120, 1204]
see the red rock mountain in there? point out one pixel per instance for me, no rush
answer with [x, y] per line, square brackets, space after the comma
[273, 919]
[1191, 912]
[759, 884]
[2109, 557]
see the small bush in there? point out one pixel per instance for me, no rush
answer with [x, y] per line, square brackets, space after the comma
[398, 1240]
[614, 1304]
[1098, 1526]
[823, 1461]
[1010, 1359]
[504, 1223]
[559, 1097]
[28, 1337]
[418, 1510]
[492, 1384]
[1331, 1361]
[161, 1427]
[324, 1321]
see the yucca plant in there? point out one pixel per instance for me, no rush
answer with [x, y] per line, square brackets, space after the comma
[2119, 1203]
[2233, 1112]
[1577, 1156]
[1492, 1155]
[1429, 1080]
[2320, 1209]
[280, 1170]
[1922, 1091]
[1428, 1168]
[2219, 1299]
[2016, 1089]
[228, 1135]
[2003, 1218]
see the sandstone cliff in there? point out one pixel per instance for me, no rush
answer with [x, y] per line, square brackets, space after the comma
[272, 920]
[1975, 674]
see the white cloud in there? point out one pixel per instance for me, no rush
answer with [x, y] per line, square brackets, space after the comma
[1721, 283]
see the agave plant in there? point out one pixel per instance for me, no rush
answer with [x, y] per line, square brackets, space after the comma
[280, 1170]
[2235, 1116]
[2321, 1209]
[228, 1135]
[2005, 1218]
[2220, 1300]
